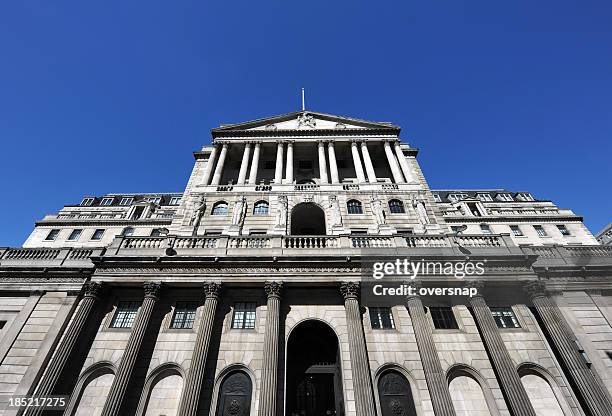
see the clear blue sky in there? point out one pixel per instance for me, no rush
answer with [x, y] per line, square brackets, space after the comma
[113, 96]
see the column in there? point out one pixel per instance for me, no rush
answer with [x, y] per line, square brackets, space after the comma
[116, 395]
[322, 162]
[594, 395]
[357, 163]
[278, 172]
[434, 375]
[508, 378]
[219, 169]
[254, 164]
[395, 171]
[403, 162]
[368, 163]
[92, 293]
[209, 165]
[362, 380]
[333, 166]
[289, 168]
[267, 400]
[244, 164]
[195, 374]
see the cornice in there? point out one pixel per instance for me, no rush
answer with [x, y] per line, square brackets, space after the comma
[511, 219]
[390, 131]
[98, 221]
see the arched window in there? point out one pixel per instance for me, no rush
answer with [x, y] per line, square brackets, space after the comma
[219, 208]
[260, 208]
[354, 207]
[396, 206]
[127, 231]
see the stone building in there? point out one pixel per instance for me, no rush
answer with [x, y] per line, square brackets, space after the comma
[246, 293]
[605, 235]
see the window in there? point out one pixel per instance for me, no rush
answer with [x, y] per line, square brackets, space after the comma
[457, 228]
[175, 200]
[354, 207]
[396, 206]
[219, 208]
[524, 196]
[52, 235]
[305, 164]
[244, 315]
[516, 231]
[260, 208]
[484, 197]
[87, 201]
[505, 197]
[156, 232]
[107, 201]
[563, 230]
[443, 317]
[456, 197]
[473, 207]
[74, 235]
[486, 229]
[437, 198]
[540, 230]
[97, 235]
[128, 231]
[505, 318]
[126, 200]
[125, 314]
[154, 199]
[381, 318]
[184, 315]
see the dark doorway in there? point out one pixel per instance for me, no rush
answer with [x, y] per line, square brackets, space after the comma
[307, 219]
[314, 382]
[235, 395]
[395, 395]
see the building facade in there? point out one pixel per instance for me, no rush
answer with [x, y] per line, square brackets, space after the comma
[247, 293]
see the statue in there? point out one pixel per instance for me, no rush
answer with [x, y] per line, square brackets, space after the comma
[281, 211]
[421, 211]
[306, 120]
[198, 212]
[334, 205]
[239, 211]
[378, 210]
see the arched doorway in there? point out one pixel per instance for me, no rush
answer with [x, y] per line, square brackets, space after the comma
[307, 219]
[395, 395]
[314, 381]
[235, 395]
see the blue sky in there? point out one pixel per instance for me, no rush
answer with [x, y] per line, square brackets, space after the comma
[100, 97]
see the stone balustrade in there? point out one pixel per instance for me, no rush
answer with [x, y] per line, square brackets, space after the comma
[48, 257]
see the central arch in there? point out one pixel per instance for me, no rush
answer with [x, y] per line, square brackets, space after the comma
[314, 380]
[307, 218]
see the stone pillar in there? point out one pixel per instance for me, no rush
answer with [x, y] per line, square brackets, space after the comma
[594, 394]
[116, 395]
[509, 380]
[395, 170]
[362, 380]
[322, 162]
[403, 162]
[244, 164]
[357, 163]
[289, 167]
[209, 165]
[195, 374]
[254, 164]
[278, 172]
[434, 375]
[219, 169]
[333, 166]
[92, 294]
[368, 163]
[268, 397]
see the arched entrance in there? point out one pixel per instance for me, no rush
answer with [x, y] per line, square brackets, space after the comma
[307, 219]
[235, 395]
[314, 381]
[395, 395]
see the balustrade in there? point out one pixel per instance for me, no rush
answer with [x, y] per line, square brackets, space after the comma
[426, 241]
[310, 242]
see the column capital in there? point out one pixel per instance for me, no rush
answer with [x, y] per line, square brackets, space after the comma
[349, 290]
[93, 289]
[152, 289]
[356, 141]
[535, 289]
[273, 289]
[212, 290]
[416, 284]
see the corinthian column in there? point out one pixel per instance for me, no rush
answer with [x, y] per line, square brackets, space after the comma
[322, 162]
[403, 162]
[333, 166]
[357, 162]
[368, 163]
[92, 293]
[195, 374]
[267, 401]
[278, 172]
[116, 395]
[434, 375]
[362, 380]
[244, 164]
[395, 171]
[254, 164]
[219, 169]
[594, 394]
[289, 167]
[209, 166]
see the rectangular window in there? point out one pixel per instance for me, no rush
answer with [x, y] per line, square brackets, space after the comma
[484, 197]
[175, 200]
[563, 230]
[443, 317]
[486, 229]
[525, 196]
[75, 234]
[505, 318]
[107, 201]
[244, 315]
[184, 315]
[154, 199]
[52, 236]
[87, 201]
[126, 200]
[456, 228]
[540, 230]
[505, 197]
[97, 235]
[381, 318]
[125, 314]
[516, 231]
[437, 198]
